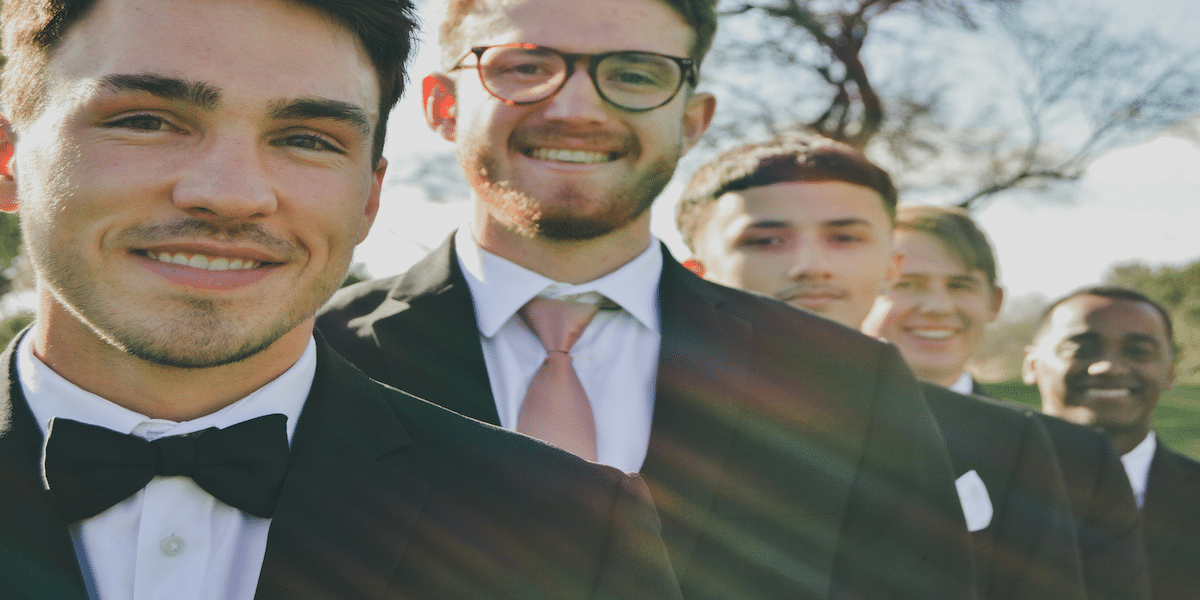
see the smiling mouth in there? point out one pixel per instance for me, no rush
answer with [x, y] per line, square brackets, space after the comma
[580, 157]
[1108, 393]
[932, 334]
[201, 261]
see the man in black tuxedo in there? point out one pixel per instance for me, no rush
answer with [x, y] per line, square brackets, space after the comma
[935, 313]
[1101, 358]
[789, 457]
[192, 178]
[810, 220]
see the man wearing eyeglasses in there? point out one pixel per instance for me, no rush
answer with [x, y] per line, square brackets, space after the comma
[789, 457]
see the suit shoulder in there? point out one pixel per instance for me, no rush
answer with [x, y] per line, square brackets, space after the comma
[771, 314]
[359, 298]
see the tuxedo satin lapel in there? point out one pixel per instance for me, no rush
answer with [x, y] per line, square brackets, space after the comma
[701, 371]
[426, 329]
[37, 559]
[348, 507]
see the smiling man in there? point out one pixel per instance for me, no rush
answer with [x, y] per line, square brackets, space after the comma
[1102, 356]
[568, 119]
[945, 295]
[172, 428]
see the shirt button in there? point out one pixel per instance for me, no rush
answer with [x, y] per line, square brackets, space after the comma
[171, 546]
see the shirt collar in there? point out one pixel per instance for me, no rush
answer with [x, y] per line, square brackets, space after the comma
[499, 287]
[1137, 466]
[964, 385]
[50, 395]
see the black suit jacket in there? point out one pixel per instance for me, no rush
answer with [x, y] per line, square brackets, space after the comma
[1171, 518]
[386, 497]
[789, 457]
[1031, 547]
[1106, 514]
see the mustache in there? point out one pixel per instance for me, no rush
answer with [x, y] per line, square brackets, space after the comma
[146, 234]
[547, 134]
[809, 289]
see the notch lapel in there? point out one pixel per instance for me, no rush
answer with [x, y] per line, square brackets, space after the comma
[346, 510]
[701, 374]
[37, 558]
[427, 328]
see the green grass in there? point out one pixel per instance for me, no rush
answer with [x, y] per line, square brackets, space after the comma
[1177, 418]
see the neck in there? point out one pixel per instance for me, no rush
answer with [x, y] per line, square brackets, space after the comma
[95, 365]
[566, 261]
[1125, 439]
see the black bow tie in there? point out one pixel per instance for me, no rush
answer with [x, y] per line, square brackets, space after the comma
[89, 469]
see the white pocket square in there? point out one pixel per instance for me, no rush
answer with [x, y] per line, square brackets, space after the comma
[976, 505]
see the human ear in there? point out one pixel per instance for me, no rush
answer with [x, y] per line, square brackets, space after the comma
[1027, 370]
[8, 181]
[697, 115]
[372, 207]
[437, 97]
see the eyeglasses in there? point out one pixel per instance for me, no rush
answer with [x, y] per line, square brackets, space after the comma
[523, 74]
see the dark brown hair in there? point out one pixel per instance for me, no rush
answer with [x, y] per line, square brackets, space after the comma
[785, 159]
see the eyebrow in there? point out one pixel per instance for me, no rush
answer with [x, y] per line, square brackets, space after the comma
[322, 108]
[197, 93]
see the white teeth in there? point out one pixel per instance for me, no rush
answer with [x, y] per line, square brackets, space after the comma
[932, 334]
[570, 156]
[1119, 393]
[208, 263]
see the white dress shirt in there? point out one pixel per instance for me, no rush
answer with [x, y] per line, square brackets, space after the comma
[616, 358]
[1137, 466]
[171, 540]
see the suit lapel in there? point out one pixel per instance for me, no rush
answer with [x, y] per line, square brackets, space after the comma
[1164, 516]
[701, 368]
[37, 558]
[345, 513]
[427, 328]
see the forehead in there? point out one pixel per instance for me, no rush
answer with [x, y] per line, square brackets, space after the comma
[269, 48]
[581, 26]
[803, 204]
[925, 255]
[1111, 318]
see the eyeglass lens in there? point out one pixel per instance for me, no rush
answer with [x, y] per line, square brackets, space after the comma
[631, 80]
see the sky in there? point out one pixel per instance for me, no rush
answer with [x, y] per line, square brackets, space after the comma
[1140, 203]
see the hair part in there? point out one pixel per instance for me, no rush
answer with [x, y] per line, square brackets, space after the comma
[1112, 292]
[700, 15]
[791, 158]
[32, 30]
[956, 231]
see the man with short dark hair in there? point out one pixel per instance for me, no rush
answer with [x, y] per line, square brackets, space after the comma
[192, 177]
[809, 220]
[1101, 357]
[788, 457]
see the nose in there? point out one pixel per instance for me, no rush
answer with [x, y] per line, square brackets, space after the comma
[577, 99]
[936, 301]
[810, 261]
[1107, 366]
[226, 181]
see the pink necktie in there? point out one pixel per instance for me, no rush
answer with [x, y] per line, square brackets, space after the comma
[556, 409]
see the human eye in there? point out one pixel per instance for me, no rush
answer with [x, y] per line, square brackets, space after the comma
[309, 141]
[760, 242]
[963, 285]
[637, 71]
[1141, 352]
[521, 64]
[141, 122]
[906, 285]
[1078, 349]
